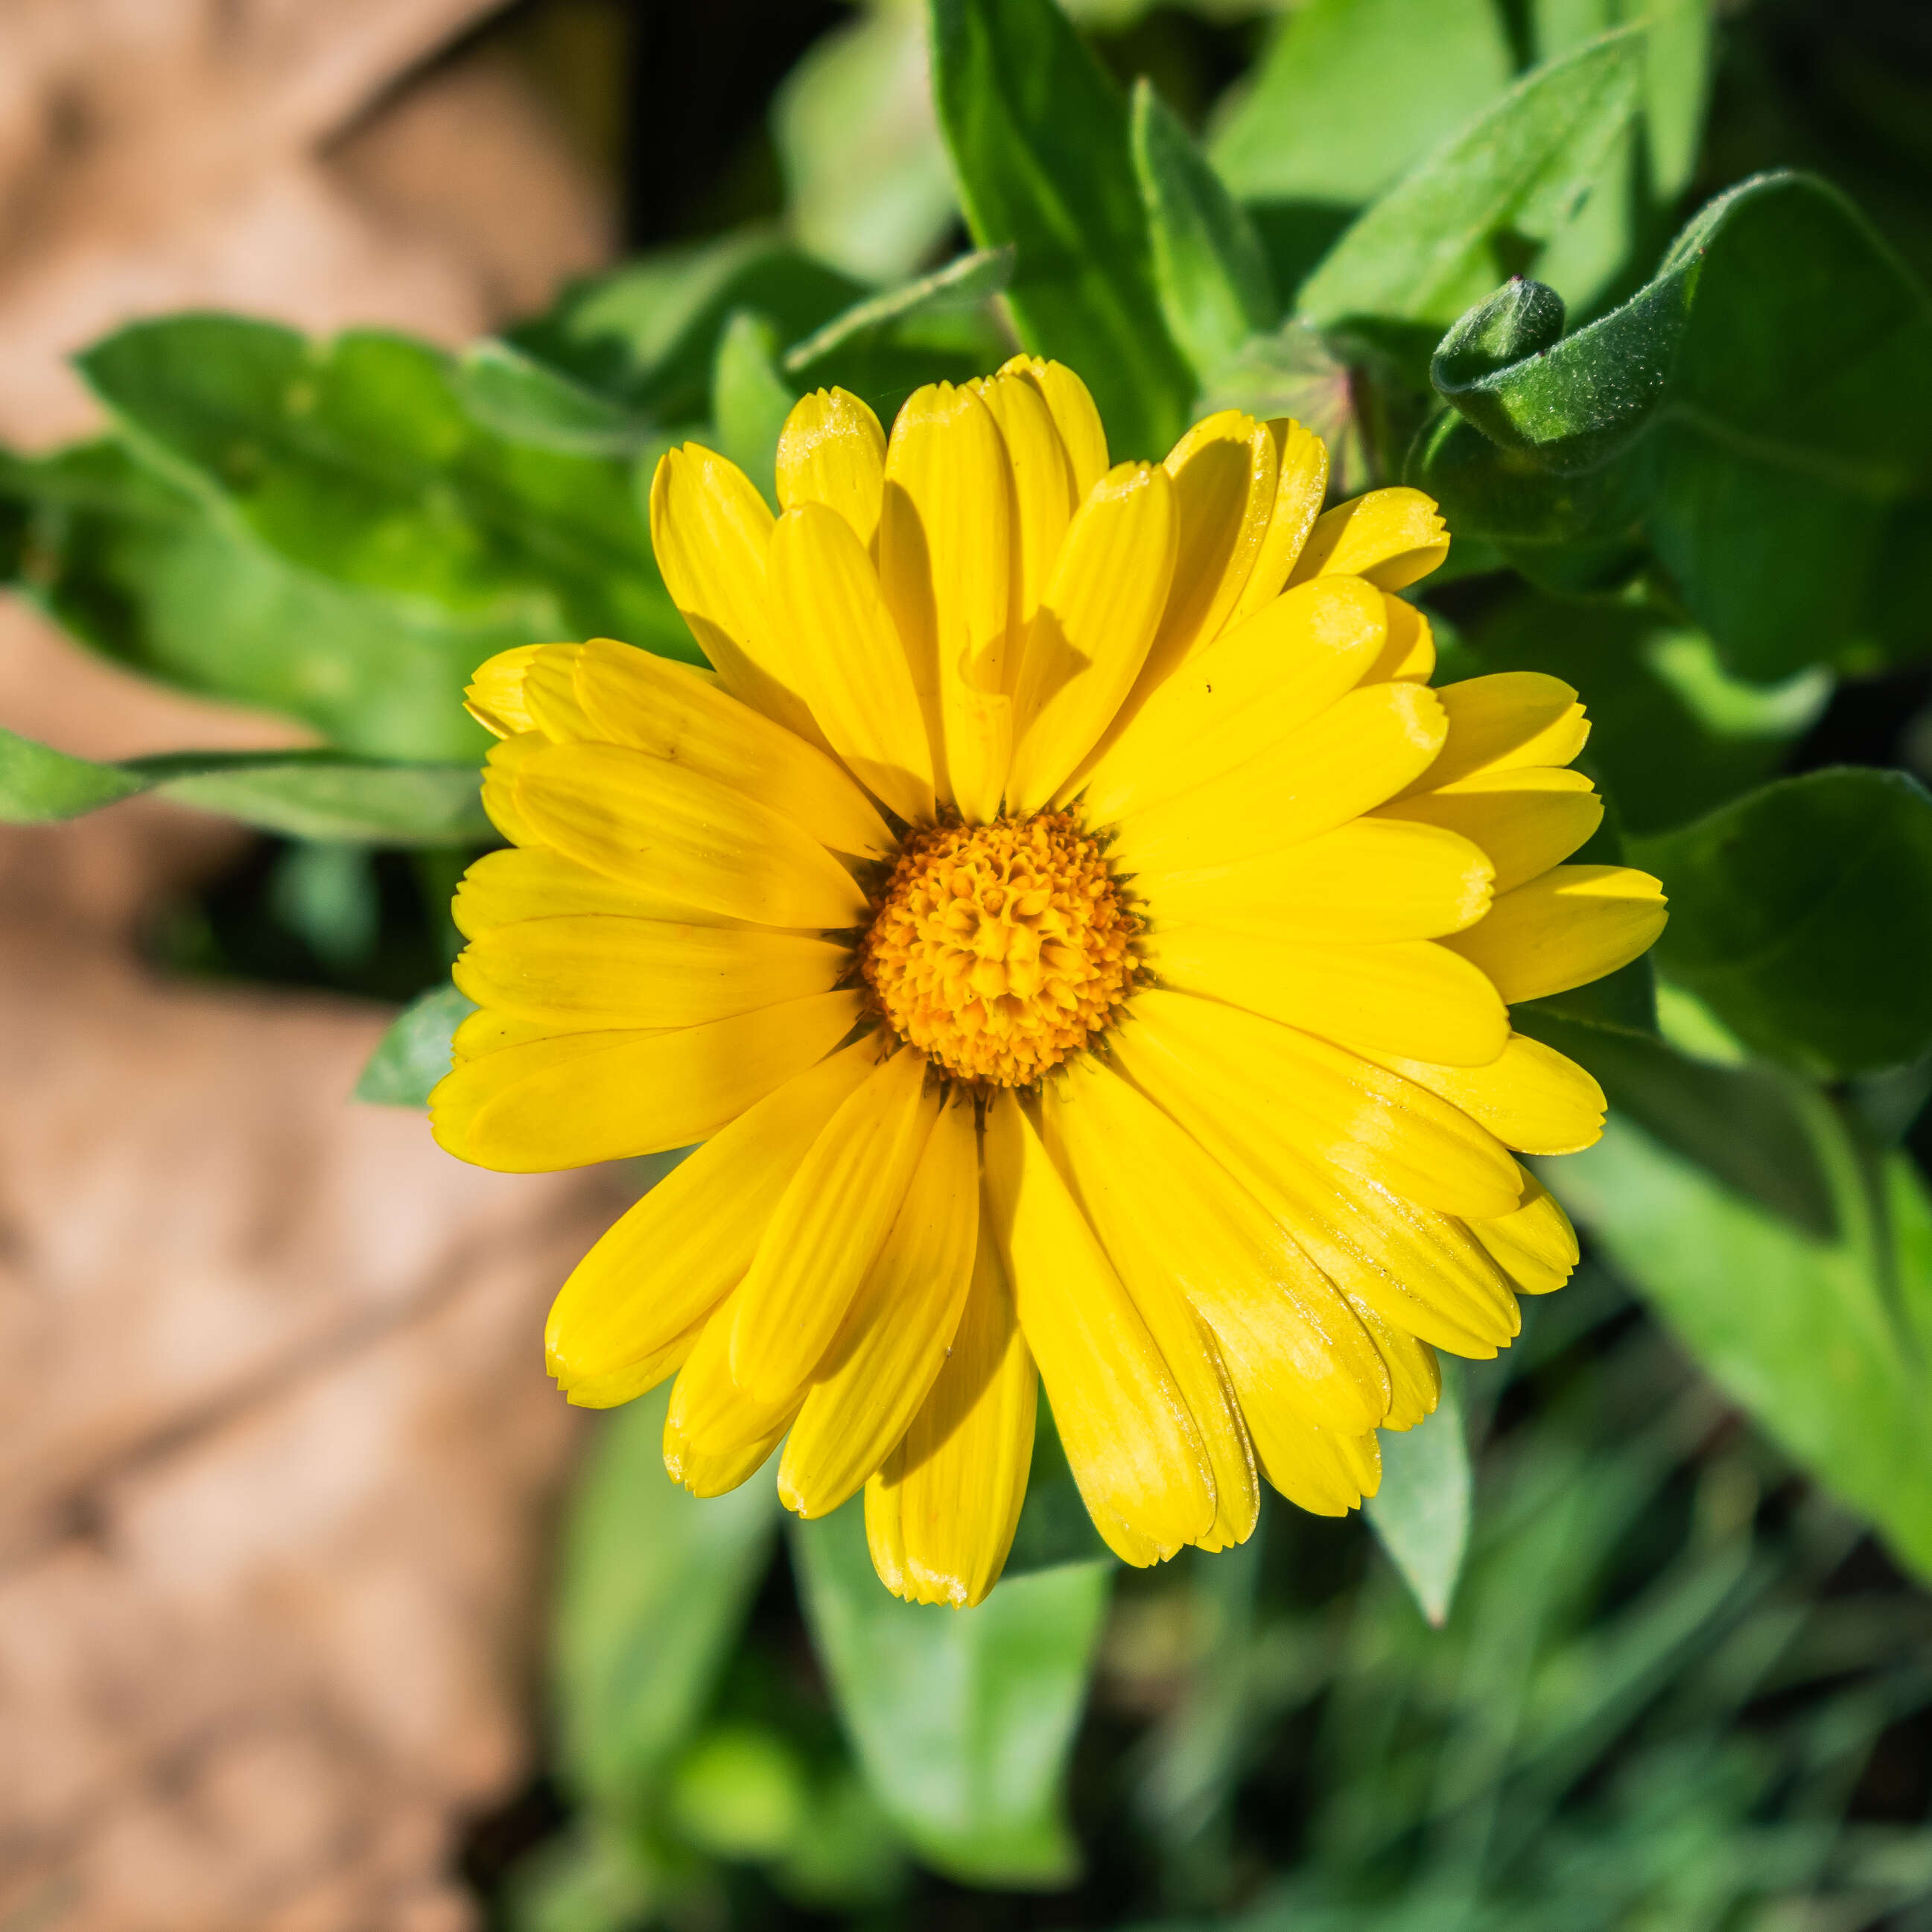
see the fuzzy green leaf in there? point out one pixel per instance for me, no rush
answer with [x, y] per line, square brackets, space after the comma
[414, 1053]
[1421, 1511]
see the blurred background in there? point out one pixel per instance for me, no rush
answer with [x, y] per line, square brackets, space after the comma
[283, 1531]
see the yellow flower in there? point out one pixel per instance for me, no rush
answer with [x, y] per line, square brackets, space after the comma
[1083, 942]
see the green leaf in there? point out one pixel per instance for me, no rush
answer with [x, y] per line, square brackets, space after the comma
[303, 794]
[524, 400]
[963, 282]
[1209, 271]
[963, 1719]
[1351, 93]
[1039, 141]
[1439, 240]
[414, 1053]
[654, 1587]
[1762, 411]
[1054, 1527]
[1421, 1511]
[750, 399]
[1801, 915]
[1824, 1340]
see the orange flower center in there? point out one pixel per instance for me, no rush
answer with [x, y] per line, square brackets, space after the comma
[999, 949]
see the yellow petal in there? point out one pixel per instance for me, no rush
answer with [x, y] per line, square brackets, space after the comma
[716, 1433]
[853, 666]
[1405, 997]
[1044, 500]
[827, 1230]
[1325, 1473]
[499, 785]
[1074, 415]
[1347, 761]
[1224, 481]
[1572, 925]
[494, 696]
[1504, 723]
[677, 832]
[1168, 1213]
[1527, 821]
[877, 1375]
[710, 530]
[1410, 652]
[1186, 1344]
[1391, 537]
[940, 1515]
[595, 970]
[1087, 640]
[1536, 1246]
[1239, 697]
[674, 1256]
[831, 450]
[1134, 1448]
[502, 888]
[1415, 1376]
[628, 697]
[1301, 482]
[945, 545]
[626, 1383]
[550, 694]
[1370, 880]
[1422, 1270]
[485, 1032]
[581, 1097]
[1530, 1096]
[1330, 1105]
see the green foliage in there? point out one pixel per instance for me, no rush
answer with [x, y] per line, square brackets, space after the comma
[1041, 145]
[1421, 1512]
[1803, 918]
[963, 1719]
[414, 1053]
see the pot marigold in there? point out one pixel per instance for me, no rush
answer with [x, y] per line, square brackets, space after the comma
[1083, 943]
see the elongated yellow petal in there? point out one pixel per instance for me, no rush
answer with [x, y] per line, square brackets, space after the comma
[945, 554]
[502, 888]
[827, 1230]
[1074, 415]
[717, 1433]
[485, 1032]
[1572, 925]
[1167, 1213]
[1224, 480]
[1331, 1106]
[595, 971]
[852, 664]
[1422, 1270]
[628, 697]
[1135, 1450]
[1044, 498]
[1087, 639]
[499, 785]
[633, 1378]
[1505, 722]
[1526, 819]
[1536, 1246]
[1325, 1473]
[494, 696]
[677, 832]
[877, 1373]
[1415, 1376]
[1350, 758]
[582, 1097]
[1407, 997]
[1410, 652]
[1239, 698]
[831, 450]
[1301, 482]
[1372, 879]
[674, 1256]
[1530, 1096]
[710, 530]
[1391, 537]
[940, 1515]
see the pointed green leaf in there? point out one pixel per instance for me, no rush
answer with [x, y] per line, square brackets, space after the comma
[525, 400]
[750, 399]
[963, 1719]
[965, 280]
[1421, 1511]
[1439, 239]
[1039, 141]
[1209, 269]
[414, 1053]
[38, 784]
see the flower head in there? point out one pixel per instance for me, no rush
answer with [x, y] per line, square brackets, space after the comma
[1083, 943]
